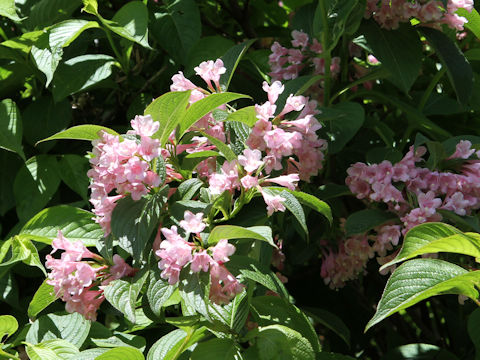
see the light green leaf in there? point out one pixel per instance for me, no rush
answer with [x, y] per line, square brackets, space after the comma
[221, 349]
[44, 296]
[7, 9]
[436, 237]
[64, 33]
[158, 291]
[168, 110]
[79, 73]
[170, 346]
[75, 224]
[11, 128]
[202, 107]
[121, 352]
[458, 68]
[123, 294]
[46, 58]
[270, 310]
[262, 233]
[20, 249]
[81, 132]
[72, 328]
[419, 279]
[90, 354]
[55, 349]
[119, 339]
[399, 51]
[278, 342]
[361, 221]
[246, 115]
[8, 326]
[231, 59]
[224, 149]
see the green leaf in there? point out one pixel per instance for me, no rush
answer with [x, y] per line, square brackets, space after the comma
[158, 291]
[11, 127]
[330, 321]
[117, 339]
[74, 173]
[81, 132]
[278, 342]
[178, 29]
[333, 356]
[80, 73]
[472, 326]
[342, 122]
[473, 23]
[8, 160]
[246, 115]
[272, 310]
[202, 107]
[361, 221]
[458, 68]
[90, 354]
[7, 9]
[187, 189]
[399, 51]
[168, 109]
[75, 224]
[20, 249]
[171, 345]
[123, 294]
[419, 279]
[224, 149]
[436, 237]
[72, 328]
[55, 349]
[221, 349]
[44, 296]
[292, 204]
[121, 352]
[65, 32]
[8, 326]
[35, 184]
[231, 59]
[9, 290]
[419, 352]
[251, 269]
[262, 233]
[48, 12]
[133, 222]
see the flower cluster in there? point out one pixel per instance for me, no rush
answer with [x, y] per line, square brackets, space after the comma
[79, 282]
[176, 253]
[287, 63]
[433, 12]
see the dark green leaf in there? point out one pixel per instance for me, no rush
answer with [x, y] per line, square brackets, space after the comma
[330, 321]
[231, 59]
[44, 296]
[158, 291]
[361, 221]
[11, 128]
[221, 349]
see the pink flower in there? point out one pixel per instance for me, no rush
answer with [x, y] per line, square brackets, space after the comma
[273, 90]
[274, 202]
[120, 269]
[86, 303]
[463, 150]
[300, 39]
[144, 125]
[249, 182]
[289, 181]
[201, 261]
[192, 223]
[428, 203]
[222, 250]
[293, 103]
[74, 250]
[224, 286]
[250, 160]
[211, 71]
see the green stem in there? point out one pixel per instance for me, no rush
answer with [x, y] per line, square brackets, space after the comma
[431, 86]
[326, 52]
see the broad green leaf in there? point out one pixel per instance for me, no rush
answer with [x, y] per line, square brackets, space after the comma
[224, 149]
[168, 110]
[419, 279]
[47, 12]
[7, 9]
[399, 51]
[295, 87]
[472, 326]
[72, 328]
[330, 321]
[133, 222]
[90, 6]
[458, 69]
[123, 294]
[11, 128]
[121, 352]
[330, 191]
[20, 249]
[74, 173]
[8, 326]
[201, 154]
[81, 132]
[472, 54]
[278, 342]
[171, 345]
[52, 350]
[342, 122]
[436, 237]
[473, 23]
[361, 221]
[202, 107]
[270, 310]
[231, 59]
[46, 58]
[251, 269]
[75, 224]
[178, 28]
[79, 73]
[221, 349]
[236, 312]
[183, 321]
[187, 189]
[246, 115]
[64, 33]
[158, 291]
[44, 296]
[90, 354]
[23, 42]
[119, 339]
[262, 233]
[35, 184]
